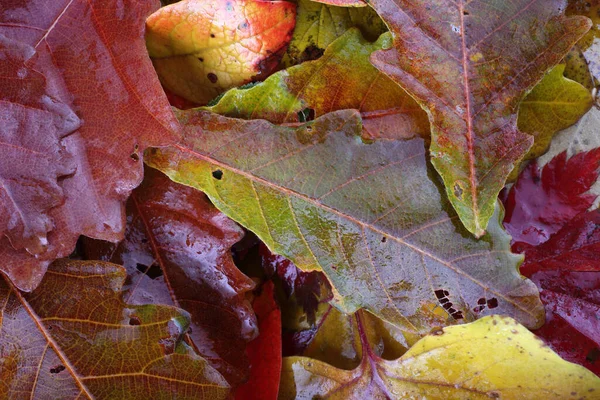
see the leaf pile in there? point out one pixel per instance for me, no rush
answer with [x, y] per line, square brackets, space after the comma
[256, 199]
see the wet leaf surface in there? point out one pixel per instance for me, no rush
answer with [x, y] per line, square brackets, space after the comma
[200, 48]
[105, 76]
[372, 218]
[75, 337]
[470, 64]
[177, 251]
[494, 357]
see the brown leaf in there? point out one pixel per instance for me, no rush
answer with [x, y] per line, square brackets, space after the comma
[470, 63]
[177, 251]
[75, 337]
[97, 49]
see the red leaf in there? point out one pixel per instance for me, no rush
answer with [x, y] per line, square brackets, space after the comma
[265, 351]
[541, 202]
[97, 49]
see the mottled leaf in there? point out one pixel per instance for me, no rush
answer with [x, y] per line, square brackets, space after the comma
[177, 251]
[264, 351]
[200, 48]
[470, 63]
[318, 25]
[342, 78]
[542, 201]
[75, 337]
[369, 215]
[96, 52]
[554, 104]
[589, 44]
[494, 357]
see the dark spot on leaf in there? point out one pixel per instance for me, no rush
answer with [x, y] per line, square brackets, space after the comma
[217, 174]
[458, 191]
[593, 355]
[243, 26]
[200, 59]
[134, 321]
[213, 78]
[212, 35]
[383, 239]
[492, 303]
[465, 12]
[57, 369]
[135, 157]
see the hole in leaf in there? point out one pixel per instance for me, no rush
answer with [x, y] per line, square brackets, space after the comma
[217, 174]
[200, 59]
[135, 157]
[492, 303]
[213, 78]
[212, 35]
[383, 239]
[481, 301]
[57, 369]
[306, 115]
[152, 272]
[134, 321]
[458, 191]
[457, 315]
[439, 293]
[465, 12]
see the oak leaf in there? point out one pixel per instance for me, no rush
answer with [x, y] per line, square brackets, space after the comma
[177, 251]
[200, 48]
[470, 63]
[96, 51]
[368, 215]
[75, 337]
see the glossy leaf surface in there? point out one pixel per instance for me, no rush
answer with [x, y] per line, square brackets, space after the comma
[200, 48]
[470, 64]
[494, 357]
[96, 52]
[368, 215]
[75, 337]
[342, 78]
[542, 201]
[318, 25]
[177, 251]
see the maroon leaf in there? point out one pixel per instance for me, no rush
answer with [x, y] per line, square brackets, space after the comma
[541, 202]
[177, 251]
[97, 50]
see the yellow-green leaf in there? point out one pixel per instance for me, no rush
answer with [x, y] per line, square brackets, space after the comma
[371, 216]
[318, 25]
[200, 48]
[75, 337]
[494, 357]
[554, 104]
[342, 78]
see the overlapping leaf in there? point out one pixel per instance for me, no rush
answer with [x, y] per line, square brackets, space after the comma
[342, 78]
[177, 251]
[589, 43]
[75, 337]
[369, 215]
[96, 52]
[470, 64]
[494, 357]
[200, 48]
[318, 25]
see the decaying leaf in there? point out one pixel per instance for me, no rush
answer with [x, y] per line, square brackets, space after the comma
[200, 48]
[470, 63]
[542, 201]
[369, 215]
[318, 25]
[343, 78]
[96, 52]
[553, 105]
[589, 44]
[494, 357]
[75, 337]
[177, 251]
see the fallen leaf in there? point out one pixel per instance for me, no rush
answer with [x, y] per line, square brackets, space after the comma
[342, 78]
[542, 201]
[589, 43]
[470, 64]
[75, 337]
[177, 251]
[200, 48]
[264, 351]
[494, 357]
[368, 215]
[97, 50]
[553, 105]
[566, 268]
[33, 124]
[318, 25]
